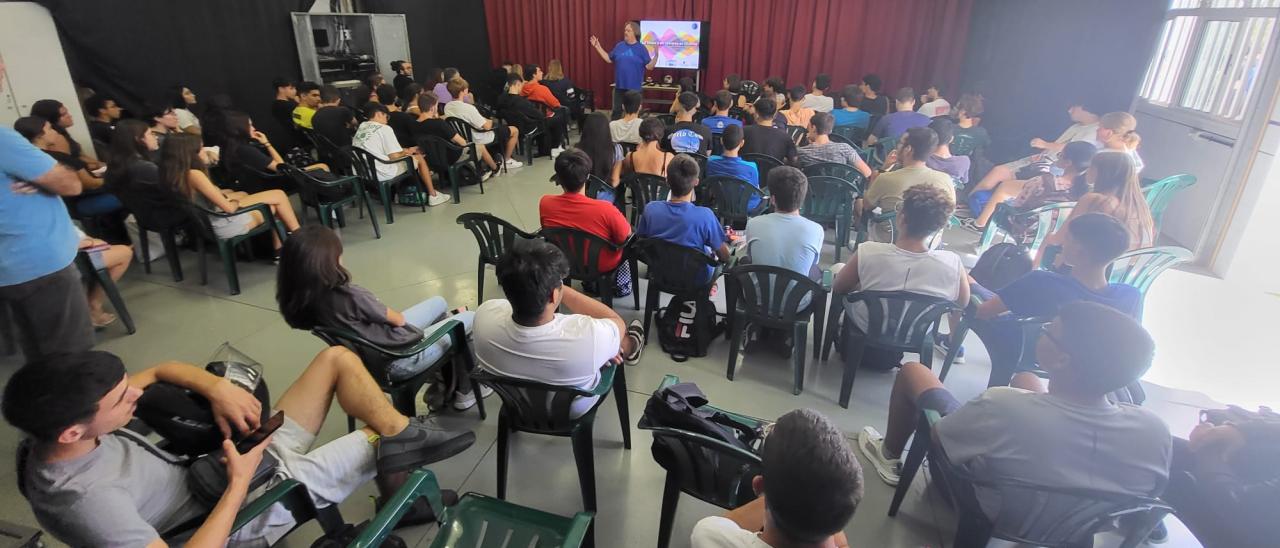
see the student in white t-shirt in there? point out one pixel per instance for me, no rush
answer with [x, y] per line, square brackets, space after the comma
[524, 337]
[932, 104]
[1084, 127]
[907, 264]
[817, 98]
[487, 131]
[377, 138]
[809, 486]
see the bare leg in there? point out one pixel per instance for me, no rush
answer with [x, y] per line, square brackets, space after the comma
[1006, 190]
[280, 206]
[424, 173]
[1027, 380]
[337, 370]
[488, 159]
[913, 379]
[512, 140]
[314, 167]
[994, 177]
[116, 260]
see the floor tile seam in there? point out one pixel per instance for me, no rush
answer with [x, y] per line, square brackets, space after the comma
[224, 298]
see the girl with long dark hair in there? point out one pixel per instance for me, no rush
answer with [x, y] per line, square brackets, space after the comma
[249, 155]
[606, 156]
[60, 118]
[183, 100]
[94, 200]
[314, 289]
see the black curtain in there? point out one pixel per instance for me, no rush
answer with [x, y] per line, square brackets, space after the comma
[134, 50]
[1031, 59]
[443, 33]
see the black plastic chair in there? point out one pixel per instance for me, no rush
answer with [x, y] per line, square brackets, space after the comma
[844, 172]
[336, 157]
[764, 163]
[365, 164]
[583, 250]
[668, 120]
[627, 148]
[538, 408]
[730, 196]
[596, 185]
[706, 468]
[1028, 514]
[853, 135]
[675, 270]
[702, 159]
[799, 135]
[495, 237]
[404, 392]
[830, 202]
[899, 321]
[644, 188]
[99, 275]
[775, 298]
[319, 194]
[452, 171]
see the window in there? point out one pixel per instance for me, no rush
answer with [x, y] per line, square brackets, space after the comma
[1208, 56]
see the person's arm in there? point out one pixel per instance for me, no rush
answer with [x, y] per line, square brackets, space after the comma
[547, 98]
[87, 180]
[653, 62]
[60, 180]
[395, 318]
[749, 516]
[595, 43]
[271, 151]
[962, 298]
[577, 303]
[615, 175]
[858, 164]
[216, 528]
[458, 140]
[847, 279]
[722, 252]
[232, 405]
[201, 183]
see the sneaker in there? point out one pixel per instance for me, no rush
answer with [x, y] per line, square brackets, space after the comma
[556, 152]
[463, 401]
[943, 345]
[488, 175]
[1159, 535]
[972, 225]
[636, 332]
[871, 444]
[421, 443]
[512, 163]
[438, 199]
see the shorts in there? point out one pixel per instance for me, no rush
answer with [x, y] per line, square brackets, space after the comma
[938, 399]
[51, 313]
[331, 472]
[230, 227]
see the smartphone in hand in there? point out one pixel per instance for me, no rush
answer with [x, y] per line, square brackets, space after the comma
[256, 437]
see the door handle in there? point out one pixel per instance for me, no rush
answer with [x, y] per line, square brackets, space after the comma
[1214, 138]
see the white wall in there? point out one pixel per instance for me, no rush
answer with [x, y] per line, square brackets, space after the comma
[1256, 261]
[35, 67]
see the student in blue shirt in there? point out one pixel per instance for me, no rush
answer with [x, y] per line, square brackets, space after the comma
[678, 221]
[894, 125]
[850, 114]
[720, 118]
[630, 60]
[730, 165]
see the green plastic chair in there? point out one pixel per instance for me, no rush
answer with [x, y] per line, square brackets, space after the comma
[764, 163]
[880, 151]
[1141, 267]
[1161, 193]
[310, 188]
[1048, 219]
[890, 222]
[850, 134]
[99, 275]
[779, 299]
[476, 520]
[844, 172]
[706, 468]
[377, 359]
[644, 188]
[365, 165]
[702, 159]
[495, 237]
[729, 198]
[227, 246]
[830, 202]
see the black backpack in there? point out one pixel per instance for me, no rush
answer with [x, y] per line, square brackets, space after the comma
[1000, 265]
[681, 406]
[686, 328]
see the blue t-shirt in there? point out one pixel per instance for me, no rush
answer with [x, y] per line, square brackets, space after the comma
[718, 123]
[629, 61]
[788, 241]
[733, 166]
[893, 125]
[683, 223]
[1042, 293]
[844, 117]
[36, 234]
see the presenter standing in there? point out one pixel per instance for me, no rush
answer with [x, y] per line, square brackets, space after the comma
[630, 60]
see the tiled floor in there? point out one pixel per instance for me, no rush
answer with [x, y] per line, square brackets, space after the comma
[426, 254]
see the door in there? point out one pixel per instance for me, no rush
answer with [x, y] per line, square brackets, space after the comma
[390, 42]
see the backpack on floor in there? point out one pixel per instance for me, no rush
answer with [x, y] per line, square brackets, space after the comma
[407, 194]
[682, 406]
[1000, 265]
[686, 328]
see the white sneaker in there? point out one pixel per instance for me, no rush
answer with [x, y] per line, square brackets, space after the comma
[463, 401]
[488, 175]
[438, 199]
[556, 152]
[512, 163]
[871, 445]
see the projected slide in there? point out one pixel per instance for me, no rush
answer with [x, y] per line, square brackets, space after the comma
[676, 42]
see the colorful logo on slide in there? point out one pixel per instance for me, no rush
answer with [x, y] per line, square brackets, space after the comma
[676, 44]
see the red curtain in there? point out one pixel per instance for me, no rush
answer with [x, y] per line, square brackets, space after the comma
[906, 42]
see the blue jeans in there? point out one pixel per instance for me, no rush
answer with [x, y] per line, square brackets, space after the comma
[428, 316]
[97, 204]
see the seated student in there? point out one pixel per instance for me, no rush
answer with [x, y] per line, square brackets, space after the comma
[730, 164]
[1117, 131]
[404, 74]
[116, 259]
[103, 112]
[687, 135]
[817, 99]
[1114, 191]
[94, 199]
[606, 156]
[720, 118]
[1089, 245]
[313, 290]
[60, 119]
[1066, 181]
[648, 157]
[783, 238]
[377, 138]
[429, 122]
[907, 264]
[766, 136]
[333, 121]
[284, 132]
[1084, 127]
[850, 114]
[90, 488]
[563, 88]
[892, 126]
[733, 85]
[249, 155]
[822, 149]
[523, 337]
[397, 118]
[488, 132]
[941, 159]
[678, 221]
[441, 88]
[308, 101]
[626, 129]
[774, 88]
[407, 98]
[966, 112]
[534, 90]
[914, 148]
[798, 114]
[932, 104]
[181, 98]
[872, 103]
[809, 486]
[521, 112]
[573, 209]
[1068, 437]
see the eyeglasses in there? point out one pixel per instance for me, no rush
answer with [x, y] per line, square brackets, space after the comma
[1044, 331]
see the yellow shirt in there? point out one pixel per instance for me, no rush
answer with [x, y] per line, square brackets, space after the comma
[302, 116]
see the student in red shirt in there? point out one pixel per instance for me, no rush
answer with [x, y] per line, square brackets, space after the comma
[573, 209]
[534, 90]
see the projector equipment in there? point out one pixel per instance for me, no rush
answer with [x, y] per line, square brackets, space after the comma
[339, 47]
